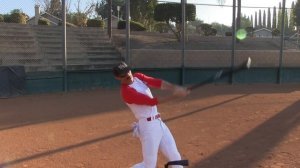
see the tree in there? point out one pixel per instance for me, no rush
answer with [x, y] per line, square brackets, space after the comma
[245, 22]
[255, 25]
[54, 7]
[297, 18]
[171, 12]
[274, 22]
[88, 9]
[196, 22]
[161, 27]
[292, 22]
[191, 26]
[250, 31]
[206, 30]
[6, 18]
[269, 19]
[80, 17]
[1, 18]
[279, 18]
[264, 19]
[286, 22]
[297, 14]
[275, 32]
[17, 16]
[142, 11]
[259, 19]
[239, 14]
[221, 28]
[101, 8]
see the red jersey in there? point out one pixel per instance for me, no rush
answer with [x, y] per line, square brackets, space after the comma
[138, 96]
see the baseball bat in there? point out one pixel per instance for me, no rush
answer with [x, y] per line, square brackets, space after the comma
[221, 74]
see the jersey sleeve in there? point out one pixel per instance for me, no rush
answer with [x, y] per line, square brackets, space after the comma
[149, 81]
[131, 96]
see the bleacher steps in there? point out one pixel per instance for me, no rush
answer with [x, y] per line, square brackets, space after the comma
[39, 48]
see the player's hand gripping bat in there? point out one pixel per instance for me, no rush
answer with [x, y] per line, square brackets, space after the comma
[221, 74]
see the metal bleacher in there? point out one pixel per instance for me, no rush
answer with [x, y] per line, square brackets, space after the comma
[39, 48]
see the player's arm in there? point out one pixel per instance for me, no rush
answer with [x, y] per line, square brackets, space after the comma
[131, 96]
[149, 81]
[168, 86]
[177, 90]
[160, 84]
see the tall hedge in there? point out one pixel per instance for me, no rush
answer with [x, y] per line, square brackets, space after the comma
[79, 19]
[134, 26]
[95, 23]
[297, 12]
[172, 12]
[43, 22]
[18, 18]
[161, 27]
[6, 18]
[1, 18]
[275, 32]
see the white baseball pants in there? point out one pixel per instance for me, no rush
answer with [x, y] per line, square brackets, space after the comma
[155, 135]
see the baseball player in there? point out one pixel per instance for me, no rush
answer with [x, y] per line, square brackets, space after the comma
[151, 130]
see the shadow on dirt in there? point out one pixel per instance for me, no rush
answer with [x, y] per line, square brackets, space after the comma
[63, 149]
[36, 109]
[243, 153]
[97, 140]
[252, 147]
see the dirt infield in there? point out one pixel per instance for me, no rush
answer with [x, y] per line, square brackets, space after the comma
[217, 126]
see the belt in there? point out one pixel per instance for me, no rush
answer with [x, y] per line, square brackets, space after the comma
[157, 116]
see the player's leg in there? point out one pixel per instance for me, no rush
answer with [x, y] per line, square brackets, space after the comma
[150, 136]
[168, 147]
[139, 165]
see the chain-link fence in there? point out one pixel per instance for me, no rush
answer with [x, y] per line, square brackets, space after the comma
[39, 48]
[266, 32]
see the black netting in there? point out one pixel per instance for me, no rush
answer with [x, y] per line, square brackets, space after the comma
[12, 81]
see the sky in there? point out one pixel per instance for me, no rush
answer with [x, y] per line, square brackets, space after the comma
[206, 13]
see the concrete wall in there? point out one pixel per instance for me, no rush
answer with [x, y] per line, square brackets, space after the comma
[145, 58]
[166, 64]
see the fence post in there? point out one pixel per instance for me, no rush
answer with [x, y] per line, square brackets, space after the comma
[279, 74]
[233, 39]
[127, 57]
[65, 85]
[109, 21]
[183, 14]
